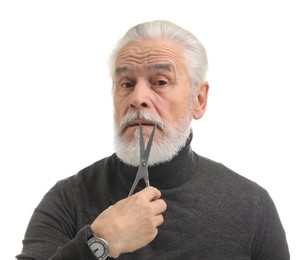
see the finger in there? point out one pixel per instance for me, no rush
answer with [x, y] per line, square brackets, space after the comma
[150, 193]
[159, 220]
[158, 206]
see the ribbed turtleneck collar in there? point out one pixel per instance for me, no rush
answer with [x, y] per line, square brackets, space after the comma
[166, 175]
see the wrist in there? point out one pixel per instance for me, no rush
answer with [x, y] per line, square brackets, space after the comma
[105, 232]
[98, 246]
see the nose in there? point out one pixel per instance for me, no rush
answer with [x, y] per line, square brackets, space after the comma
[140, 96]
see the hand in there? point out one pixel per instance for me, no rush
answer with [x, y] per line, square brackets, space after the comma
[131, 223]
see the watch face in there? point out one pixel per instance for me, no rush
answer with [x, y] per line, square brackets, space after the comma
[98, 248]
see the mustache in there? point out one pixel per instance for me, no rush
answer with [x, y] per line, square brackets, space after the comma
[148, 118]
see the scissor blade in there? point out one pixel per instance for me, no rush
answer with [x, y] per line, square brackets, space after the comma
[134, 186]
[142, 172]
[141, 143]
[149, 145]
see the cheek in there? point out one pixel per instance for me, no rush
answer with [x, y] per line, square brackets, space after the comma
[172, 112]
[120, 109]
[178, 104]
[116, 110]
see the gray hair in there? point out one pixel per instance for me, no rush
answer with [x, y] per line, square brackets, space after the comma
[194, 53]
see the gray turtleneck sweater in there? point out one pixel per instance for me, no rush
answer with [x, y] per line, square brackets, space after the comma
[213, 213]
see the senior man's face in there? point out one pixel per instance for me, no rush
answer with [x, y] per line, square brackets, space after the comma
[151, 87]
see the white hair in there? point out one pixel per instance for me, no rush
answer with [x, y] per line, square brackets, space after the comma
[194, 53]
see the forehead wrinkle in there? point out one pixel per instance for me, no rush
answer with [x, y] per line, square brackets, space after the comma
[129, 56]
[141, 57]
[138, 54]
[149, 64]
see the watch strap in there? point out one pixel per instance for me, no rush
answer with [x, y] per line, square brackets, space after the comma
[90, 235]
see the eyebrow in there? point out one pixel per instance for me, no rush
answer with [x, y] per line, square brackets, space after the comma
[160, 66]
[157, 66]
[122, 69]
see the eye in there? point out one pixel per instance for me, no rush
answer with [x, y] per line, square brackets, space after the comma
[127, 85]
[160, 83]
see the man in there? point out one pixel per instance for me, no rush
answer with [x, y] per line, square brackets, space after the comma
[195, 208]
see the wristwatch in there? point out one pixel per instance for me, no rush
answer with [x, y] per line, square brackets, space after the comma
[98, 246]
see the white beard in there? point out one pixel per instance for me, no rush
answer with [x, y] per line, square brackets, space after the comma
[164, 150]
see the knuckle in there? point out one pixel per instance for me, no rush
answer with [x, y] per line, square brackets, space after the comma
[152, 223]
[164, 205]
[147, 210]
[139, 196]
[162, 219]
[159, 220]
[158, 193]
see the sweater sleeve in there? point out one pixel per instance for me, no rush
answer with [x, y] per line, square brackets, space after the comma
[270, 239]
[51, 233]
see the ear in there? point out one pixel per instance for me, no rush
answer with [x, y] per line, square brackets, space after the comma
[200, 100]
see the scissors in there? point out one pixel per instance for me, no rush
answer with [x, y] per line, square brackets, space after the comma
[142, 172]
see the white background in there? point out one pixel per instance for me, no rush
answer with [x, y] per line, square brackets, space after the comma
[56, 109]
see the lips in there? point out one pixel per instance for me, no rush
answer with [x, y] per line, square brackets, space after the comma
[134, 123]
[140, 122]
